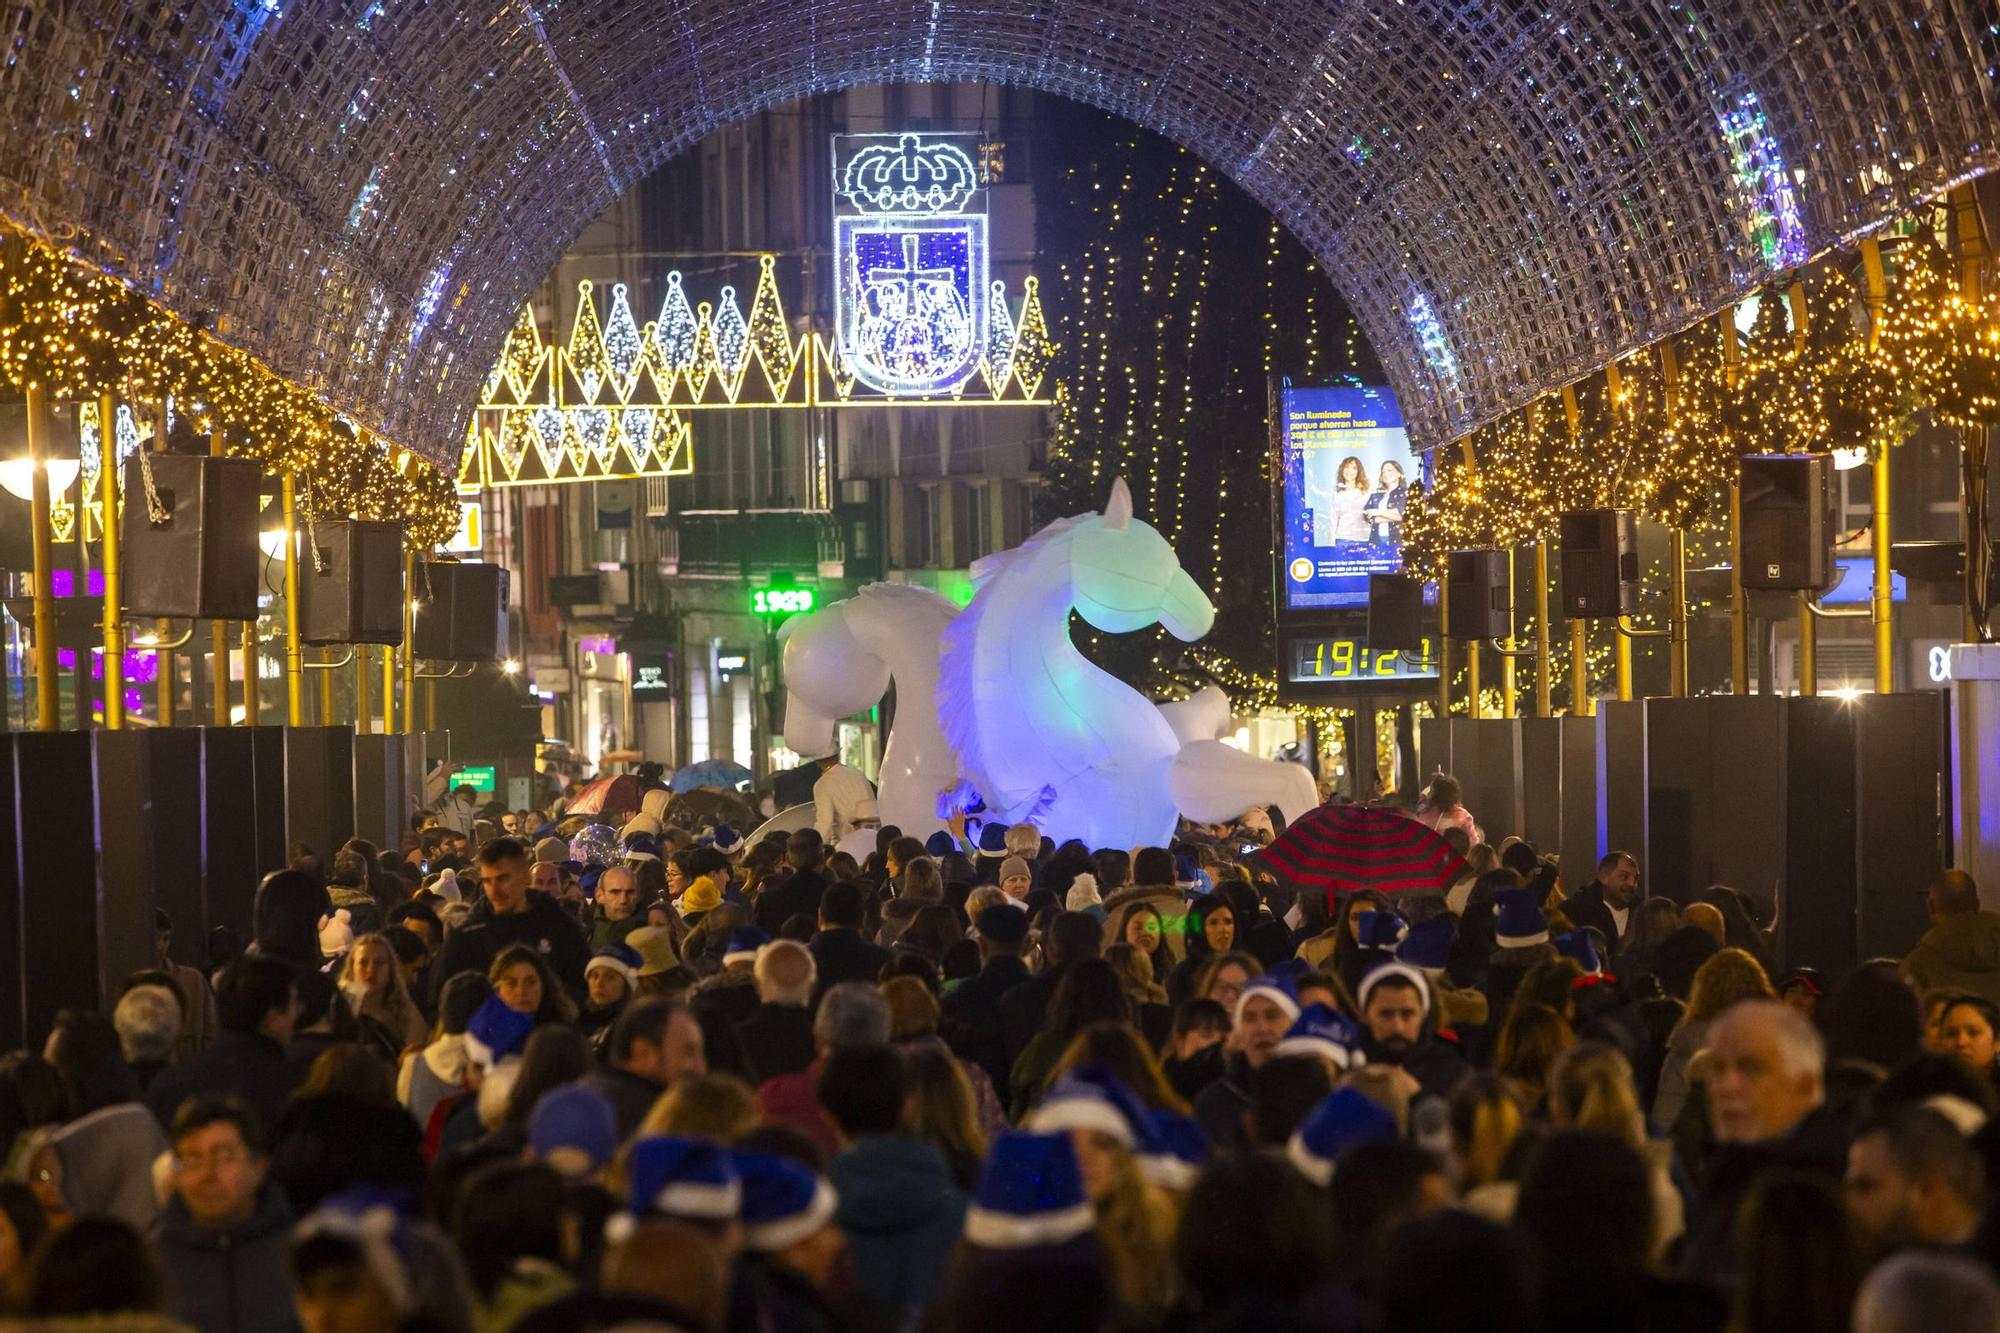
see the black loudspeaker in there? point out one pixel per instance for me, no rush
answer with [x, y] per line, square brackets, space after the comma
[203, 561]
[1788, 521]
[461, 612]
[1476, 601]
[1600, 563]
[1395, 612]
[351, 588]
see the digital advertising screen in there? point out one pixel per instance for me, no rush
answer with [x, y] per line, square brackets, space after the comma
[1343, 474]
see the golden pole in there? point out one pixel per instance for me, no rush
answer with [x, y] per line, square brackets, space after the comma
[1473, 707]
[1739, 603]
[1677, 614]
[1972, 255]
[48, 707]
[388, 689]
[164, 681]
[114, 615]
[409, 644]
[1622, 646]
[1881, 611]
[430, 705]
[252, 701]
[364, 708]
[1543, 685]
[1581, 704]
[1808, 647]
[295, 704]
[326, 690]
[219, 631]
[1507, 683]
[1444, 640]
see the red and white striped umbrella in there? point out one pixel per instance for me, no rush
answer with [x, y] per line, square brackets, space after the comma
[1347, 848]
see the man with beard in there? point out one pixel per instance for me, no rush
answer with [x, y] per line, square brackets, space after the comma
[1914, 1181]
[1395, 1001]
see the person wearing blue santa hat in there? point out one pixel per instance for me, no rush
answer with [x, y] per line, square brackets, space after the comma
[1427, 947]
[1521, 939]
[1400, 1021]
[1264, 1013]
[1346, 1119]
[1030, 1253]
[790, 1243]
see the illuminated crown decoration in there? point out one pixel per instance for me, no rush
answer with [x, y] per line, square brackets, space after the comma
[912, 177]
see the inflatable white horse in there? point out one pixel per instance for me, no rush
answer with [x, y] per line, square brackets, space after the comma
[1019, 714]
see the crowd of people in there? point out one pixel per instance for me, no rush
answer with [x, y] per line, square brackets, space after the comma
[990, 1083]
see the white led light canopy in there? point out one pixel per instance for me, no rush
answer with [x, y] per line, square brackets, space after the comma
[909, 237]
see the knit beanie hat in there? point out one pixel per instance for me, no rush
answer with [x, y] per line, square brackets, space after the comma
[702, 896]
[1016, 866]
[552, 850]
[336, 936]
[1082, 893]
[1030, 1194]
[1519, 922]
[940, 844]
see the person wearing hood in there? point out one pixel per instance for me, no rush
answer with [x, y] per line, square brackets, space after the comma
[921, 885]
[101, 1161]
[1961, 950]
[439, 1071]
[510, 913]
[898, 1207]
[616, 913]
[223, 1236]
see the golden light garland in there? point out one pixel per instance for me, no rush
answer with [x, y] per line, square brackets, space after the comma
[1669, 450]
[81, 334]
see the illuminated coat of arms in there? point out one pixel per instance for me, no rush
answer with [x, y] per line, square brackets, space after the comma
[910, 304]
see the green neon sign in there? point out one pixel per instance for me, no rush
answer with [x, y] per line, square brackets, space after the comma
[481, 780]
[782, 601]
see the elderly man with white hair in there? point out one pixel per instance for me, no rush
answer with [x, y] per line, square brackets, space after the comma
[1764, 1069]
[148, 1021]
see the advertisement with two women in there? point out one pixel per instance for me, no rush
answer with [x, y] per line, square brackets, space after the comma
[1346, 471]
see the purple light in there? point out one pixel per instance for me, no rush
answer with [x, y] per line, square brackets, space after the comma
[94, 583]
[135, 700]
[63, 582]
[602, 647]
[66, 658]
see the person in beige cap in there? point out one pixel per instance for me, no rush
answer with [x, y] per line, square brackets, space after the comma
[1017, 880]
[661, 973]
[552, 850]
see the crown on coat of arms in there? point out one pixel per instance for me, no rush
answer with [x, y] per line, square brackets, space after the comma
[911, 177]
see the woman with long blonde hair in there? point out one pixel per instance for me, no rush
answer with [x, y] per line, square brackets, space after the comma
[372, 988]
[1135, 1220]
[1591, 1088]
[1728, 976]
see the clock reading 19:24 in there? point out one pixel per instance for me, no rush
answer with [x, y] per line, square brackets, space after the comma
[1339, 659]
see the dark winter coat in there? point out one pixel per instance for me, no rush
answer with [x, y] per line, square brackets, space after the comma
[542, 925]
[246, 1065]
[901, 1215]
[232, 1281]
[775, 1040]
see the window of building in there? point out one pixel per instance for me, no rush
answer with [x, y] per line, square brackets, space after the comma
[978, 522]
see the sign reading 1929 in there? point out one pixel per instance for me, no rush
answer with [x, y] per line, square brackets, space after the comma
[1340, 660]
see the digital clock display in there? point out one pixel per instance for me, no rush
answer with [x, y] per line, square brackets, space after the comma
[1323, 660]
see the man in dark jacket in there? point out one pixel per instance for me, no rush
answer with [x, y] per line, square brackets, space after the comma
[898, 1208]
[840, 949]
[256, 1010]
[1072, 937]
[777, 1037]
[223, 1237]
[1265, 1011]
[1608, 902]
[654, 1042]
[797, 894]
[1961, 950]
[972, 1012]
[1397, 1011]
[512, 913]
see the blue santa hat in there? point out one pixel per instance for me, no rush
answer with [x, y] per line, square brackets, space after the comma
[1091, 1097]
[495, 1033]
[784, 1202]
[621, 958]
[744, 944]
[1172, 1150]
[1578, 945]
[942, 844]
[1277, 989]
[640, 847]
[1381, 930]
[368, 1219]
[1428, 946]
[586, 879]
[1326, 1033]
[1346, 1119]
[1519, 922]
[993, 839]
[726, 840]
[682, 1177]
[1030, 1194]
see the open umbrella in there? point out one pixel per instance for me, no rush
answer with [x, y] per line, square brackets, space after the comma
[606, 795]
[723, 773]
[1347, 848]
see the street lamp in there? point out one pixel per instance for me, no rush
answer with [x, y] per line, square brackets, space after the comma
[17, 475]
